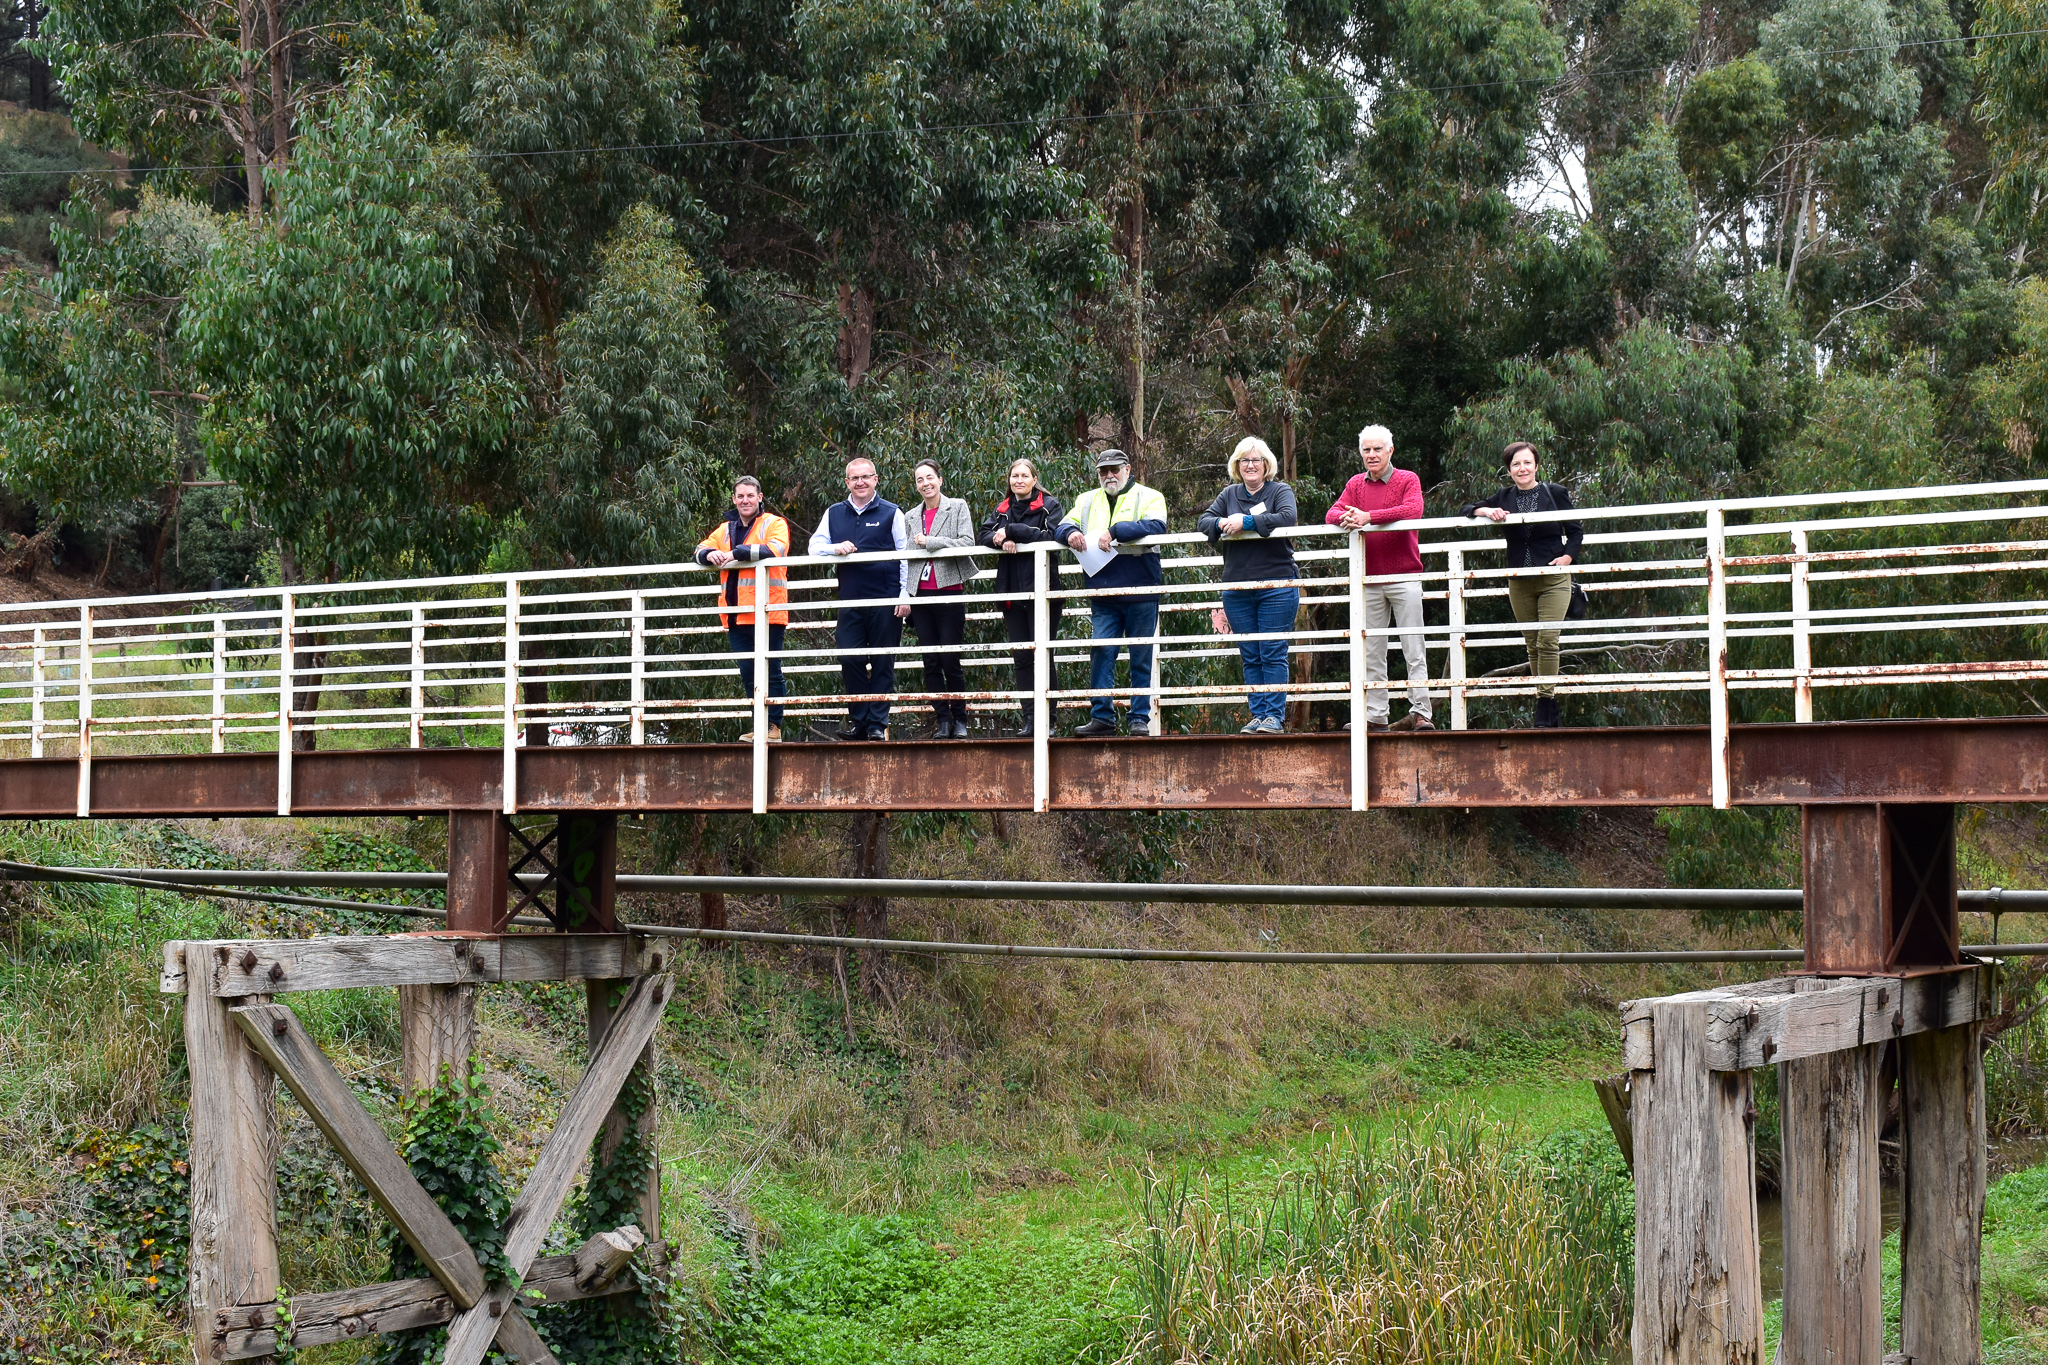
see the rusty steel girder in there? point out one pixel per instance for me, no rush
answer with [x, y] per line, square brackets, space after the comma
[1816, 764]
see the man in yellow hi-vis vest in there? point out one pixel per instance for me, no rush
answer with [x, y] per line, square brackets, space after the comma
[1106, 520]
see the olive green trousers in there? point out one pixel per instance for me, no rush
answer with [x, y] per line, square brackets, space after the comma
[1541, 597]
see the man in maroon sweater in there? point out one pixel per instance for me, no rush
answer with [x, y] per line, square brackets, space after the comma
[1383, 494]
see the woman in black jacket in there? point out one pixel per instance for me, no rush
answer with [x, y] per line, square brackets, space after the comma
[1554, 545]
[1029, 514]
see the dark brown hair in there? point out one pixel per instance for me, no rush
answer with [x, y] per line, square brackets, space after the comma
[1507, 456]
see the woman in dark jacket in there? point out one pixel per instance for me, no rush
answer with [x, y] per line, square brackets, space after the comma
[1248, 511]
[1029, 514]
[1554, 545]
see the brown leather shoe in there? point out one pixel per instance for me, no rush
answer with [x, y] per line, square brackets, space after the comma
[1412, 721]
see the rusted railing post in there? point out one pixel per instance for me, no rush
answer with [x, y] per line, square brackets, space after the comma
[510, 778]
[1357, 693]
[38, 674]
[287, 628]
[760, 690]
[416, 728]
[1717, 654]
[1802, 633]
[84, 712]
[636, 725]
[1041, 678]
[220, 684]
[1454, 580]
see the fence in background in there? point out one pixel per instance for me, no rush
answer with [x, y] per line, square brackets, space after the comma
[1888, 589]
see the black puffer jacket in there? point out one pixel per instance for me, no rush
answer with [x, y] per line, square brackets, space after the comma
[1024, 521]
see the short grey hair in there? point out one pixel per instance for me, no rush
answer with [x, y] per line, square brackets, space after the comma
[1376, 432]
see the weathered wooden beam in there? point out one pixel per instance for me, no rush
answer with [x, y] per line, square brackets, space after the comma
[598, 998]
[605, 1255]
[517, 1339]
[275, 1032]
[1771, 1022]
[233, 1191]
[1699, 1285]
[1941, 1113]
[436, 1030]
[241, 967]
[1834, 1230]
[247, 1333]
[562, 1155]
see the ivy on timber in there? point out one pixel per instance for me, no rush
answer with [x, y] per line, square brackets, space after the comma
[448, 1144]
[640, 1324]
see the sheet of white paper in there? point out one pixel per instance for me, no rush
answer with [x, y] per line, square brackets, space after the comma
[1093, 559]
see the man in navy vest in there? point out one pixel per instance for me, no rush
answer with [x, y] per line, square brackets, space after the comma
[862, 524]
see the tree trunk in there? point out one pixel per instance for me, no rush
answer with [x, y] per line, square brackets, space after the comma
[280, 62]
[1137, 450]
[166, 526]
[868, 845]
[246, 128]
[710, 904]
[856, 350]
[38, 69]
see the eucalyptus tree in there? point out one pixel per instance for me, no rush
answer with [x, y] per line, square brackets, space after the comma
[1206, 150]
[342, 393]
[189, 84]
[888, 209]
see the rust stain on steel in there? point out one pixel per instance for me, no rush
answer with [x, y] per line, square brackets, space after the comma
[1855, 761]
[1891, 760]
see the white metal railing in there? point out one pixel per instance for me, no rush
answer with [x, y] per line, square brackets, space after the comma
[1936, 586]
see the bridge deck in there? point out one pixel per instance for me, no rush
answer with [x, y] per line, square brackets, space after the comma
[1847, 762]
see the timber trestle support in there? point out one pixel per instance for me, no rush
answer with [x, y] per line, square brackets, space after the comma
[241, 1039]
[1886, 996]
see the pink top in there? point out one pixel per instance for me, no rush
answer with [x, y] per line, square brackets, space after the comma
[1396, 498]
[930, 581]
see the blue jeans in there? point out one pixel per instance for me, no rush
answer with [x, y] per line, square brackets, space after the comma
[742, 638]
[863, 672]
[1263, 611]
[1112, 618]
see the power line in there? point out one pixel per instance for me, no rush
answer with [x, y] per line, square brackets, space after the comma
[996, 125]
[936, 948]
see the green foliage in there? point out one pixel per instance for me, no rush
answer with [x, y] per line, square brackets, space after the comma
[139, 1185]
[85, 354]
[1734, 849]
[864, 1290]
[640, 1325]
[390, 458]
[1646, 213]
[620, 468]
[1438, 1243]
[1727, 129]
[1655, 419]
[449, 1146]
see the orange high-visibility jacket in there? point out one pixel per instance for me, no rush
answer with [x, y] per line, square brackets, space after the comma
[767, 538]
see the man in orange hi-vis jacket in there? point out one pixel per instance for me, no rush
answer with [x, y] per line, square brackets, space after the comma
[747, 535]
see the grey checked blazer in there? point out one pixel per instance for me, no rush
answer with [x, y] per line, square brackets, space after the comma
[952, 529]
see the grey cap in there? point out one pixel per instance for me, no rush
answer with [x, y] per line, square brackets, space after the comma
[1109, 459]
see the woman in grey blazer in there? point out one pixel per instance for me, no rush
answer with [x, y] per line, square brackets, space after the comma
[938, 609]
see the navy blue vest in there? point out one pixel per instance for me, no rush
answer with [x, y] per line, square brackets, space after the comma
[873, 529]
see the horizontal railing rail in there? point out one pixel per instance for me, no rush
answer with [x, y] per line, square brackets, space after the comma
[1899, 591]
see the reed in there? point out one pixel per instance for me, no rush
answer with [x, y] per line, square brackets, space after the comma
[1441, 1244]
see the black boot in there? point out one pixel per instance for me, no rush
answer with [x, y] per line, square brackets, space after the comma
[1547, 717]
[1023, 730]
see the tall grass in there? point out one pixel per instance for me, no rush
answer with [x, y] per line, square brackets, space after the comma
[1441, 1244]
